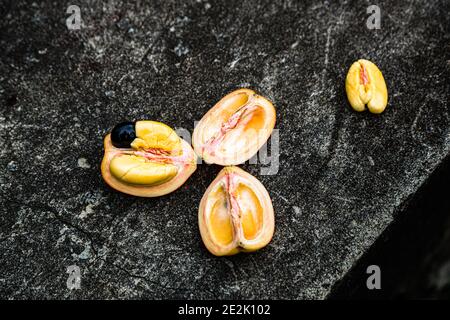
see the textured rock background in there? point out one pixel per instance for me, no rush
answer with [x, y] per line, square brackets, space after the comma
[343, 176]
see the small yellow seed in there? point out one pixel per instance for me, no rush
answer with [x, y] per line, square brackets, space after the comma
[365, 85]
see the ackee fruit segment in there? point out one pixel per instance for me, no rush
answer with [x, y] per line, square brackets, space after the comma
[234, 129]
[235, 213]
[146, 158]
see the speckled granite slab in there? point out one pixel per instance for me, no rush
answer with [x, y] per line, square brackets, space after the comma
[342, 176]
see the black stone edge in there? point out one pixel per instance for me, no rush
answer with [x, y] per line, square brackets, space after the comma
[402, 249]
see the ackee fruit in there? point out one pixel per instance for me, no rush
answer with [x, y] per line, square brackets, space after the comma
[234, 129]
[235, 213]
[146, 158]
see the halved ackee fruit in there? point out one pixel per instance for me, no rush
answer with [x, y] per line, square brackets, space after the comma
[235, 213]
[234, 129]
[365, 85]
[146, 159]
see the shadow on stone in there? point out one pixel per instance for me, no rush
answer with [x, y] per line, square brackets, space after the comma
[413, 253]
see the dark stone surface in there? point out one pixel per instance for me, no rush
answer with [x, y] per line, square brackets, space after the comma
[343, 176]
[413, 252]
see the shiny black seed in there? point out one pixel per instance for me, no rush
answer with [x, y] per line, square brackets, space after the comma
[123, 134]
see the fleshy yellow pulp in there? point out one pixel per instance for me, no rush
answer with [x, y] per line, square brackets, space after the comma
[235, 208]
[149, 163]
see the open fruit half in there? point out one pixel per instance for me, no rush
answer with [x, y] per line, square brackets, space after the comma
[146, 159]
[235, 213]
[234, 129]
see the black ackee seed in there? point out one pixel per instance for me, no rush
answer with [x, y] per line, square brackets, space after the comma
[123, 134]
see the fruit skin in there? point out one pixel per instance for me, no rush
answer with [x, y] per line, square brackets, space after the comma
[210, 119]
[184, 172]
[365, 85]
[239, 244]
[123, 134]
